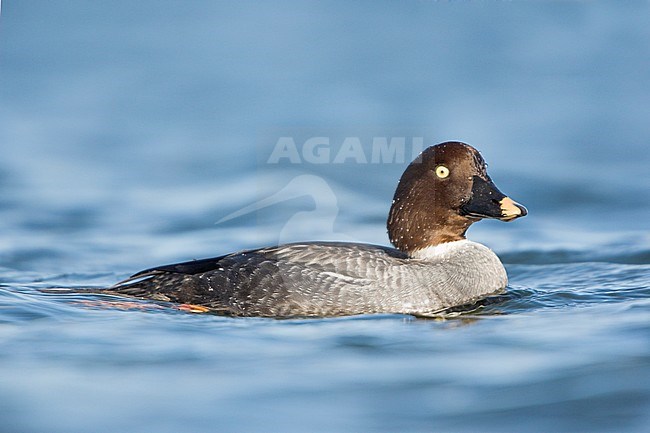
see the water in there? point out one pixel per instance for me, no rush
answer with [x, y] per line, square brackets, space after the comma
[128, 129]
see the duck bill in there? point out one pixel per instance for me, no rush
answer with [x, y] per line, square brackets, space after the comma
[488, 202]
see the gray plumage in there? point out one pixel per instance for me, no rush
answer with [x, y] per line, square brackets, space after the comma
[326, 279]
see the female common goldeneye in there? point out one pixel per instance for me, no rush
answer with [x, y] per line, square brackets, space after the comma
[432, 267]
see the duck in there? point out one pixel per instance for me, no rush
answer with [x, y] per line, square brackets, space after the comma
[431, 268]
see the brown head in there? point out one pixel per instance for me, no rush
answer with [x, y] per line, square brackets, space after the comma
[441, 194]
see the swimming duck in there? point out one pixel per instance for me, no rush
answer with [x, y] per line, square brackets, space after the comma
[433, 267]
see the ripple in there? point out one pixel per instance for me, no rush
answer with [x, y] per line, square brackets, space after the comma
[537, 257]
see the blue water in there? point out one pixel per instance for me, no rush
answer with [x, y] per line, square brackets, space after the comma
[130, 132]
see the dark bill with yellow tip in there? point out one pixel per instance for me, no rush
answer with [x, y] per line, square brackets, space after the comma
[487, 201]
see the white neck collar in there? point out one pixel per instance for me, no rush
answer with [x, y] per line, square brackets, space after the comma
[441, 250]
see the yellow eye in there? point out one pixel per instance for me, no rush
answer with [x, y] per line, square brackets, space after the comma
[442, 171]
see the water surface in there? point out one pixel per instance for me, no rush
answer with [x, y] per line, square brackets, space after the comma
[129, 129]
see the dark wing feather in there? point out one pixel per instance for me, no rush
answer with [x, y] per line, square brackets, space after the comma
[278, 281]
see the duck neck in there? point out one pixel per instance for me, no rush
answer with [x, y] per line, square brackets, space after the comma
[411, 231]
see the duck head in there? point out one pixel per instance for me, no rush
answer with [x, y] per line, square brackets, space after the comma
[441, 193]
